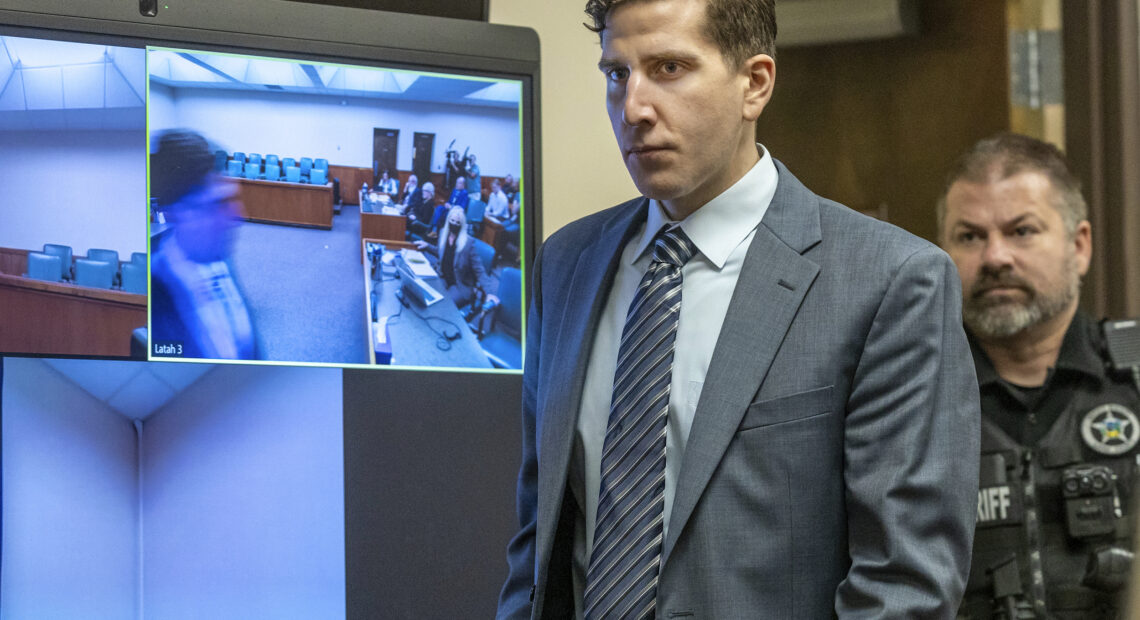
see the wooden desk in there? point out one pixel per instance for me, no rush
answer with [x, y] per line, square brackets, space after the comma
[491, 230]
[66, 319]
[384, 228]
[281, 202]
[413, 341]
[351, 179]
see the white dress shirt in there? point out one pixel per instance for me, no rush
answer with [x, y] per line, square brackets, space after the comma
[722, 230]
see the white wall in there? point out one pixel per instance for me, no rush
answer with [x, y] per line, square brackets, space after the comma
[243, 491]
[69, 503]
[160, 107]
[86, 189]
[291, 125]
[582, 167]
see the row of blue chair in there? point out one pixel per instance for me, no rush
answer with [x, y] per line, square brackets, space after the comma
[272, 172]
[224, 163]
[99, 269]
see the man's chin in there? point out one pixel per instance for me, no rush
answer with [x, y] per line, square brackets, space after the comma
[999, 320]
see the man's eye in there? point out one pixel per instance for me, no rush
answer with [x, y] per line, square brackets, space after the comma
[617, 74]
[1024, 231]
[967, 237]
[670, 68]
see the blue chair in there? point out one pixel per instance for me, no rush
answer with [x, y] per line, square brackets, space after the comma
[501, 342]
[239, 156]
[293, 174]
[288, 162]
[318, 176]
[134, 278]
[94, 273]
[271, 160]
[306, 166]
[139, 258]
[107, 256]
[272, 172]
[252, 171]
[139, 344]
[234, 168]
[255, 158]
[220, 158]
[322, 163]
[485, 252]
[45, 267]
[475, 209]
[64, 254]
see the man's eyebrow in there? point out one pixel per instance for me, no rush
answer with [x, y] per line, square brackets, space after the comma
[606, 64]
[667, 55]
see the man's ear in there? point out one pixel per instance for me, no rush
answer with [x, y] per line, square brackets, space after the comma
[1082, 250]
[760, 71]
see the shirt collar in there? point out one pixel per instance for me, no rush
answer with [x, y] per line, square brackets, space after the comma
[724, 222]
[1078, 354]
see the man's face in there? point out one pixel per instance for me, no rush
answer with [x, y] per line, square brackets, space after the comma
[205, 219]
[460, 183]
[682, 117]
[412, 180]
[1018, 264]
[428, 194]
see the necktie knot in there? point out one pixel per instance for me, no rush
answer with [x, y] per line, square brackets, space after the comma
[673, 247]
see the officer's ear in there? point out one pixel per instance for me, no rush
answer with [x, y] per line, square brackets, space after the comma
[1082, 246]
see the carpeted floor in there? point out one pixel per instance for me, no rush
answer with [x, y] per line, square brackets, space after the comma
[305, 289]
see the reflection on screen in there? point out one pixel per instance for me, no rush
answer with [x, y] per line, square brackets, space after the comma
[282, 190]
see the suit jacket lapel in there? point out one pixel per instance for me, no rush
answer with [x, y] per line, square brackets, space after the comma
[772, 284]
[589, 286]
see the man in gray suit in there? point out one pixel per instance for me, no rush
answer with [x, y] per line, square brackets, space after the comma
[741, 400]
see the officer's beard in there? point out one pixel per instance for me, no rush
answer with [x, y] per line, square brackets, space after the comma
[1002, 317]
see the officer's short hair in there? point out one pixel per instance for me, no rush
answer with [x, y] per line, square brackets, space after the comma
[741, 29]
[1002, 156]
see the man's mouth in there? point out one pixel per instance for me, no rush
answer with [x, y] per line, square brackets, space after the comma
[642, 150]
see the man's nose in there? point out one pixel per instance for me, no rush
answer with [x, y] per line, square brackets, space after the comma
[997, 252]
[638, 105]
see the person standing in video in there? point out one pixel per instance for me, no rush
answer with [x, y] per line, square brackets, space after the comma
[197, 307]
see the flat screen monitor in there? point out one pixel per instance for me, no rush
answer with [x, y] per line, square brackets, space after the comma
[202, 213]
[202, 184]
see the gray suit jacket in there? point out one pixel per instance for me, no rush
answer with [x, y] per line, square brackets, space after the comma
[832, 464]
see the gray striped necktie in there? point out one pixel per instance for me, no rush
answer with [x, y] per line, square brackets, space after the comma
[621, 581]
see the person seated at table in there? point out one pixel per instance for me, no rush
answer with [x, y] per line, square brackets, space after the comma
[421, 214]
[197, 306]
[412, 194]
[457, 261]
[510, 186]
[388, 185]
[498, 206]
[459, 196]
[507, 242]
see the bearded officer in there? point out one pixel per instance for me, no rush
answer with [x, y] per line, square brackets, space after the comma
[1059, 426]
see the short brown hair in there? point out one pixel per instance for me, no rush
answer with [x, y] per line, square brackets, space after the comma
[1001, 156]
[740, 28]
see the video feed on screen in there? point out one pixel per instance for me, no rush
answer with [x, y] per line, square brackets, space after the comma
[315, 213]
[73, 232]
[139, 489]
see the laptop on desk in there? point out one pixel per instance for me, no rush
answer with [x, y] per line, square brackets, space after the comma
[414, 286]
